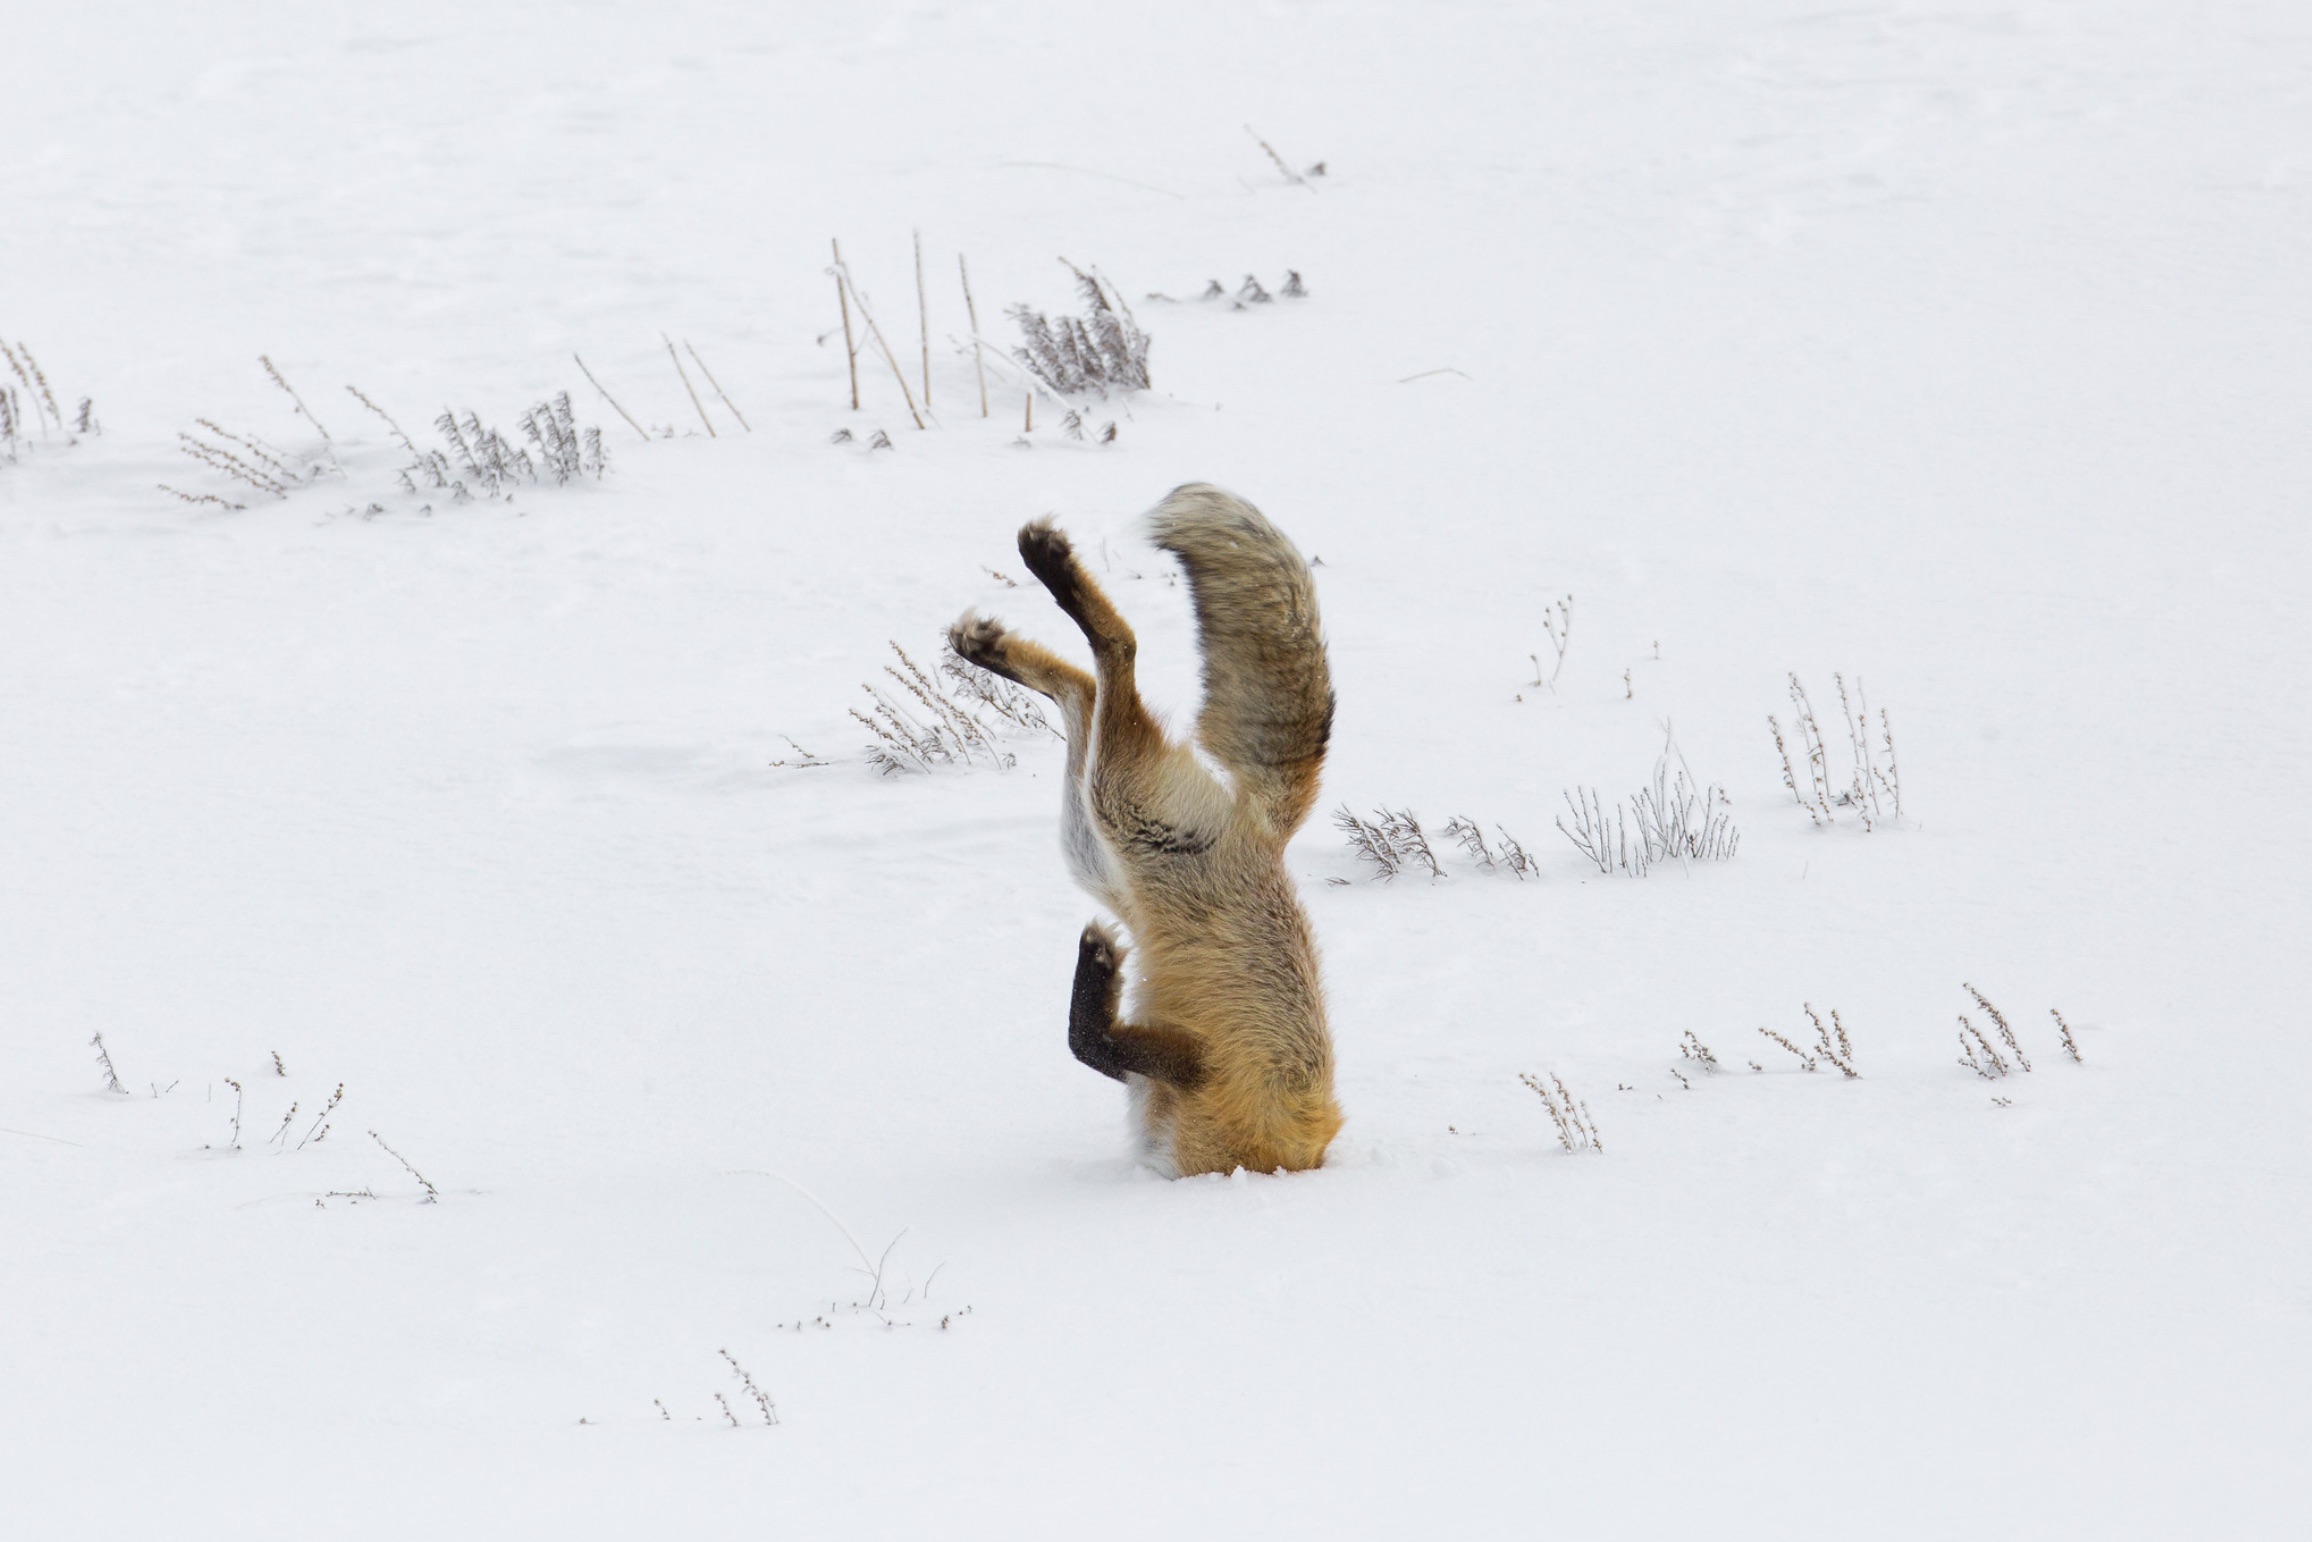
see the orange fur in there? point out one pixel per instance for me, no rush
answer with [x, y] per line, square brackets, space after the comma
[1227, 1051]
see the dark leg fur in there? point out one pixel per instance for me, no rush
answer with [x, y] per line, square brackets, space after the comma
[1113, 1048]
[1050, 556]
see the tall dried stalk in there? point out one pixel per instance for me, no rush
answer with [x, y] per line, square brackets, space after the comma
[844, 273]
[843, 298]
[1289, 174]
[1576, 1130]
[282, 382]
[692, 390]
[718, 390]
[923, 320]
[612, 400]
[978, 350]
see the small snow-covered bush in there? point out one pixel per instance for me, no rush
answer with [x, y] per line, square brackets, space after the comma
[1100, 351]
[1672, 822]
[929, 725]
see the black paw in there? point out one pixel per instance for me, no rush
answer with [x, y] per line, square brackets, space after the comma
[1098, 955]
[1051, 557]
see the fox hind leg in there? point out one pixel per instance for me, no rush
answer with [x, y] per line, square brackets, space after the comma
[1115, 1048]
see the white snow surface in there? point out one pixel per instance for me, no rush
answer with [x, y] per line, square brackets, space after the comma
[1963, 348]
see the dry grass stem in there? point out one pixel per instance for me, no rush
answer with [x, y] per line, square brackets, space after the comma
[770, 1410]
[1976, 1053]
[112, 1081]
[432, 1194]
[1290, 175]
[306, 412]
[923, 320]
[2070, 1045]
[1557, 621]
[850, 345]
[728, 404]
[945, 731]
[1694, 1049]
[1831, 1043]
[843, 271]
[387, 418]
[971, 314]
[1576, 1130]
[688, 389]
[612, 400]
[1804, 1058]
[319, 1130]
[1999, 1021]
[222, 503]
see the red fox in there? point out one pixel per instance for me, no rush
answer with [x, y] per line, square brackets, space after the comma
[1227, 1057]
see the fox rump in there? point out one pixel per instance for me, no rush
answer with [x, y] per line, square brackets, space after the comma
[1225, 1051]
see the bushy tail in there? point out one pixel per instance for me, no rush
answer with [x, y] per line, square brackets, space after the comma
[1268, 693]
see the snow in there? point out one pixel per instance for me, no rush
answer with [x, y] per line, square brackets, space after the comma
[1960, 349]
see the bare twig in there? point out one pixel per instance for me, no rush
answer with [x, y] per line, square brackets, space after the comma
[283, 383]
[104, 1062]
[971, 313]
[2070, 1045]
[432, 1194]
[844, 272]
[688, 387]
[1576, 1130]
[718, 390]
[843, 298]
[612, 400]
[1290, 175]
[923, 320]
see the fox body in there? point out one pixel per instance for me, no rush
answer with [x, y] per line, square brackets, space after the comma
[1225, 1051]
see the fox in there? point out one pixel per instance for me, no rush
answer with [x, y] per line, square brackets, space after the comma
[1226, 1055]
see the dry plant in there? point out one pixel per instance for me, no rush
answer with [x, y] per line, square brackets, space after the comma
[1015, 704]
[726, 1408]
[688, 389]
[1999, 1021]
[481, 459]
[319, 1129]
[432, 1194]
[1290, 175]
[1672, 821]
[728, 405]
[770, 1410]
[1512, 856]
[29, 406]
[1250, 292]
[1692, 1048]
[847, 291]
[2070, 1045]
[112, 1082]
[1100, 351]
[943, 727]
[1872, 792]
[235, 1143]
[1576, 1130]
[1557, 621]
[1976, 1053]
[1831, 1044]
[1392, 840]
[599, 390]
[247, 459]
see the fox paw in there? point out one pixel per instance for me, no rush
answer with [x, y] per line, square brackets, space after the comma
[1045, 548]
[1098, 953]
[979, 640]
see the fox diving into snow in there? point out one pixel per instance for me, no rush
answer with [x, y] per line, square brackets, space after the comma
[1225, 1052]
